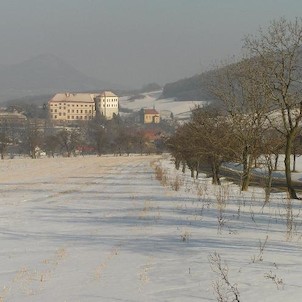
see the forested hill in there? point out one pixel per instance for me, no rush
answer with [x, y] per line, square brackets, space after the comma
[193, 88]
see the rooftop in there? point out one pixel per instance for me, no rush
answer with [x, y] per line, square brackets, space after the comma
[74, 97]
[150, 111]
[108, 94]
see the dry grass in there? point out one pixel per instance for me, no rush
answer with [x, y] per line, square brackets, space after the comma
[160, 175]
[177, 183]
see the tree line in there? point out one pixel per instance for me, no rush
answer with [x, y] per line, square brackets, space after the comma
[260, 108]
[99, 136]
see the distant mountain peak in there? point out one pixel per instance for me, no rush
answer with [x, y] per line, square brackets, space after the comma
[44, 74]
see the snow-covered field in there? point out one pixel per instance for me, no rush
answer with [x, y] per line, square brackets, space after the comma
[180, 109]
[106, 229]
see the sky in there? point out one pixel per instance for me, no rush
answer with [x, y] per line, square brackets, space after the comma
[135, 42]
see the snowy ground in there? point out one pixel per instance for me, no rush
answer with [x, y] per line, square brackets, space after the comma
[180, 109]
[105, 229]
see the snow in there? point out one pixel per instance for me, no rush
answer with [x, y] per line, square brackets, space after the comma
[180, 109]
[278, 174]
[105, 229]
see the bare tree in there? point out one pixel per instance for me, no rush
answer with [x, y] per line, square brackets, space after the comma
[33, 138]
[205, 140]
[277, 51]
[69, 140]
[212, 139]
[51, 144]
[271, 144]
[235, 86]
[5, 138]
[296, 149]
[97, 134]
[182, 148]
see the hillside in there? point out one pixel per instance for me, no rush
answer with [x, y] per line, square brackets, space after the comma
[43, 75]
[188, 89]
[181, 110]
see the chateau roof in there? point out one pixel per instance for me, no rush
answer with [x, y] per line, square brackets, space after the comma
[107, 93]
[80, 97]
[74, 97]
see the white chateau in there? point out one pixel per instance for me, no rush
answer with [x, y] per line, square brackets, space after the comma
[83, 106]
[107, 104]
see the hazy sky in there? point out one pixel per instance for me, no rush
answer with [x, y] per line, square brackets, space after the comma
[134, 42]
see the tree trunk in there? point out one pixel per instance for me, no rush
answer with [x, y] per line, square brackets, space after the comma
[246, 173]
[215, 173]
[269, 180]
[33, 153]
[294, 162]
[276, 162]
[99, 151]
[177, 164]
[290, 189]
[197, 170]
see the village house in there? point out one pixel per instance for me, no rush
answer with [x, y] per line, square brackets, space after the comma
[150, 116]
[82, 106]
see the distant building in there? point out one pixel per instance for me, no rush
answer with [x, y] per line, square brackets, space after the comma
[150, 116]
[72, 107]
[12, 118]
[82, 106]
[107, 104]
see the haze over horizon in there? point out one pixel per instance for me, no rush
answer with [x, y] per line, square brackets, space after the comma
[134, 42]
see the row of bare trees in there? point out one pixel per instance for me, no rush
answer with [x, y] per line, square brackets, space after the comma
[261, 96]
[98, 136]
